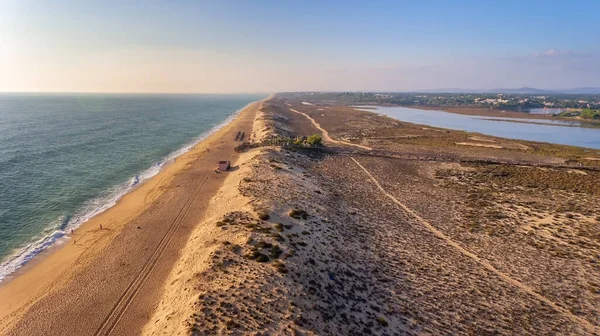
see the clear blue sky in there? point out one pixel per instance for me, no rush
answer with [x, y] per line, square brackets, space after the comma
[227, 46]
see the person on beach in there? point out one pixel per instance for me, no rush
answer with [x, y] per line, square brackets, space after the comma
[101, 227]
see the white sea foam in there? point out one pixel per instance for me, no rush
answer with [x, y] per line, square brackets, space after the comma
[57, 231]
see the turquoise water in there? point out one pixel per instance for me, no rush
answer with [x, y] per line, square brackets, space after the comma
[64, 158]
[552, 131]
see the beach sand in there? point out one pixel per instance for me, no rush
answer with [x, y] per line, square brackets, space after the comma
[108, 280]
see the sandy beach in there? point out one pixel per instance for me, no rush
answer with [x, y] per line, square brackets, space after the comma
[107, 280]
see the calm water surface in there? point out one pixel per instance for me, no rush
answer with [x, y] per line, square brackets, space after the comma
[552, 131]
[546, 110]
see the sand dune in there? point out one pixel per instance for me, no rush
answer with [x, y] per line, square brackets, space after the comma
[303, 242]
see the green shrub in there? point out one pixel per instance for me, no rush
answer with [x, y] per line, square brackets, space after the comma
[315, 140]
[382, 321]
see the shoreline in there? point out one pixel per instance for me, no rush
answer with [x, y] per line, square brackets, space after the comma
[492, 113]
[33, 253]
[53, 270]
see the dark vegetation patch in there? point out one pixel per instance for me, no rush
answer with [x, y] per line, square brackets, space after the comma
[298, 214]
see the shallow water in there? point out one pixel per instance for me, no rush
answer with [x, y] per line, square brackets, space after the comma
[552, 131]
[546, 110]
[573, 123]
[64, 158]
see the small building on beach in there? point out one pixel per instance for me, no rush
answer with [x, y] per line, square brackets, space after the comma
[224, 165]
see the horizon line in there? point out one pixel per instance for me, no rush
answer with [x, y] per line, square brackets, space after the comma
[442, 90]
[133, 92]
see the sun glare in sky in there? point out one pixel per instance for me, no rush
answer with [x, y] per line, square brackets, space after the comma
[252, 46]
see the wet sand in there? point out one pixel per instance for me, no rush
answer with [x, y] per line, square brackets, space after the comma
[107, 281]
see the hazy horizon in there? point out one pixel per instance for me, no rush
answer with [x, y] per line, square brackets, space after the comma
[442, 90]
[261, 46]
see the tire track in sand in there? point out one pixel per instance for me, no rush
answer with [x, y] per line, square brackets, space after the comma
[578, 320]
[120, 307]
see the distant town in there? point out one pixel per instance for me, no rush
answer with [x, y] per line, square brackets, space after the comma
[585, 106]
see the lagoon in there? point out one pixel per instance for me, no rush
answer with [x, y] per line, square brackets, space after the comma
[551, 131]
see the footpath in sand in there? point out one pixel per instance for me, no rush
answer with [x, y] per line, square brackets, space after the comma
[326, 134]
[108, 281]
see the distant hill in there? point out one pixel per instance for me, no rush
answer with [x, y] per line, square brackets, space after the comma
[450, 90]
[523, 90]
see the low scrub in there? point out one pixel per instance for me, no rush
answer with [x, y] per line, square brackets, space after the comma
[315, 140]
[298, 214]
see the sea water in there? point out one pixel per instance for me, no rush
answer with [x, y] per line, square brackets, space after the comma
[67, 157]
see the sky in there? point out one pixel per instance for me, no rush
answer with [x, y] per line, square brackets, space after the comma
[185, 46]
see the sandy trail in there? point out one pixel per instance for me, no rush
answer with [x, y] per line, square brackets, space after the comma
[580, 321]
[326, 134]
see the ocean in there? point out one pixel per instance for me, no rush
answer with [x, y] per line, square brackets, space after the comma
[66, 157]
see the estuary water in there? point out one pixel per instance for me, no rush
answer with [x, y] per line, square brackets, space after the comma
[66, 157]
[552, 131]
